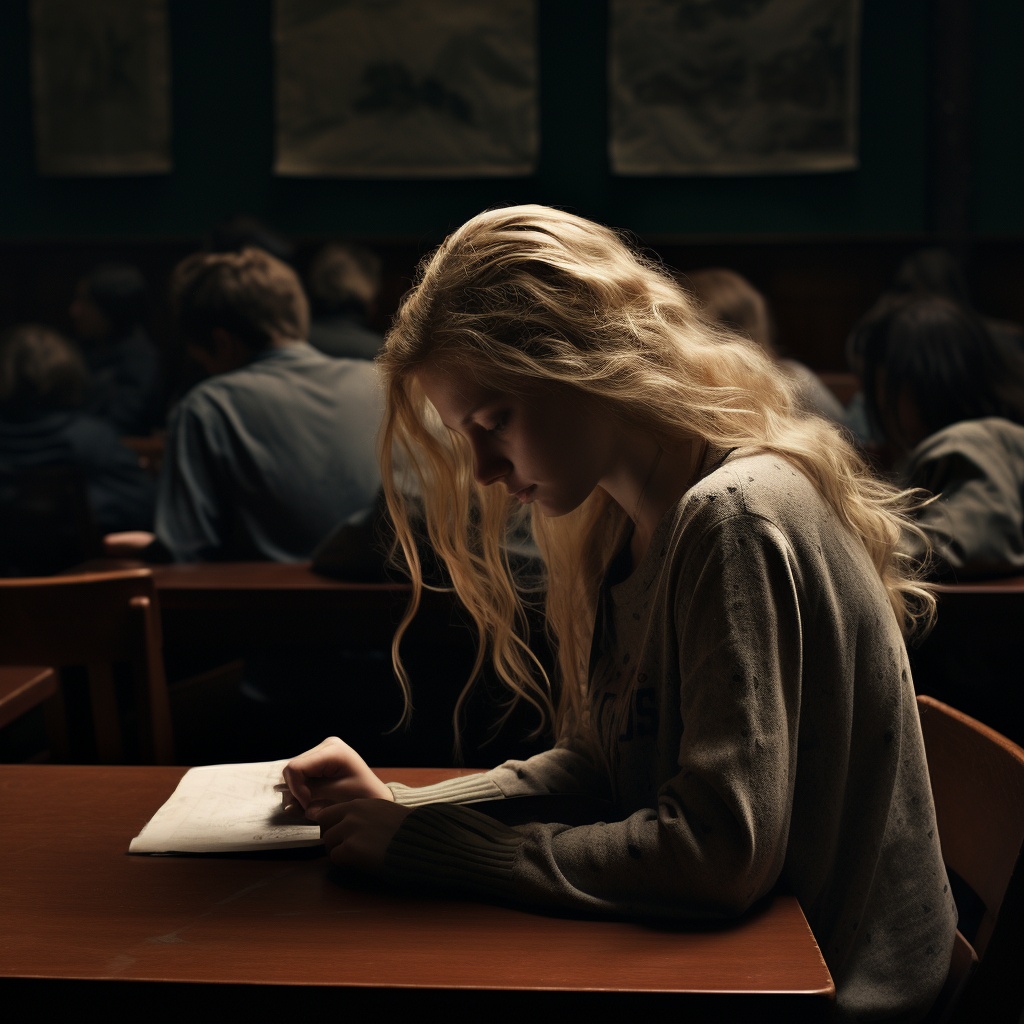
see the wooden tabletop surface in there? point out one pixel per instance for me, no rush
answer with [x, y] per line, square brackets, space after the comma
[76, 905]
[1013, 584]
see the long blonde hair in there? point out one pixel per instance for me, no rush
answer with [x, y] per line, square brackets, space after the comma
[524, 296]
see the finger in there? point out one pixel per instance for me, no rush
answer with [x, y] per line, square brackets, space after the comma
[296, 782]
[323, 759]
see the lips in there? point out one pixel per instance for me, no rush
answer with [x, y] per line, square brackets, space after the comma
[526, 494]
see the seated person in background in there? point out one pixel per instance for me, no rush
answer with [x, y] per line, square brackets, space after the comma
[932, 271]
[950, 400]
[109, 312]
[343, 282]
[42, 381]
[734, 302]
[278, 446]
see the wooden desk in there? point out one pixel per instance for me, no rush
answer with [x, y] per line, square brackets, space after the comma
[229, 937]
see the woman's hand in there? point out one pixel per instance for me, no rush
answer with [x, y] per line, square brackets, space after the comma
[357, 832]
[331, 773]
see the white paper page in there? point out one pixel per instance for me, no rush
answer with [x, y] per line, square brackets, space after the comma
[226, 807]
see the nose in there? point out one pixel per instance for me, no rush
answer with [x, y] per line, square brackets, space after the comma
[488, 466]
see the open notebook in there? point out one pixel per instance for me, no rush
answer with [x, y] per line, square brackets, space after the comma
[225, 808]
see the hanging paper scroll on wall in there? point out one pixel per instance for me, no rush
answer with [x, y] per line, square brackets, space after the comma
[406, 88]
[101, 85]
[733, 86]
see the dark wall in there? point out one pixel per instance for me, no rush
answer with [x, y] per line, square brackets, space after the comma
[821, 246]
[222, 97]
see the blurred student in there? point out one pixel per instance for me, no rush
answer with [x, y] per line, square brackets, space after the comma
[933, 271]
[42, 424]
[277, 447]
[109, 313]
[343, 283]
[734, 302]
[949, 398]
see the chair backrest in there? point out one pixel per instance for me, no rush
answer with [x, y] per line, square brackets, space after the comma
[96, 620]
[46, 523]
[977, 780]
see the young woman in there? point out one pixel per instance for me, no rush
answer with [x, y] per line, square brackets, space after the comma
[723, 592]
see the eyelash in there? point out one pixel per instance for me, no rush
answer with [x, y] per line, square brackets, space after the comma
[499, 425]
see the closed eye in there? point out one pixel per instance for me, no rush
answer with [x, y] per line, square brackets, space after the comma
[499, 424]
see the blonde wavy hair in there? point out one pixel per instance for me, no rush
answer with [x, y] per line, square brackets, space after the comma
[518, 298]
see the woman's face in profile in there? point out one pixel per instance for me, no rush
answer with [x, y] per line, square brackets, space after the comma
[548, 446]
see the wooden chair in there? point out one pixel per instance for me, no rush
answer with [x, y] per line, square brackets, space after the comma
[97, 620]
[978, 785]
[23, 688]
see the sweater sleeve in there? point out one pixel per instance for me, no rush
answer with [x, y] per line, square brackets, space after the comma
[562, 770]
[715, 839]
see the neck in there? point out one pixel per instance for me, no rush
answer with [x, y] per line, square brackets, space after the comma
[650, 481]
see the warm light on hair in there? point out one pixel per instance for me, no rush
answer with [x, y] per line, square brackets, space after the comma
[528, 295]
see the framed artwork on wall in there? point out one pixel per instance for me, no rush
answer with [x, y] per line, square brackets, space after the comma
[726, 87]
[101, 87]
[403, 88]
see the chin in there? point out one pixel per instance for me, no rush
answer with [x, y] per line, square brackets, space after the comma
[553, 509]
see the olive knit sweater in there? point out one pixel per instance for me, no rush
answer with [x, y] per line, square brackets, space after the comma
[751, 687]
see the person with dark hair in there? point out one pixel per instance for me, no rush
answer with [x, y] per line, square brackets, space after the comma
[729, 299]
[343, 282]
[950, 399]
[42, 381]
[109, 314]
[277, 447]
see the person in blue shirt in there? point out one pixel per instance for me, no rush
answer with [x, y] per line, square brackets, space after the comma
[278, 446]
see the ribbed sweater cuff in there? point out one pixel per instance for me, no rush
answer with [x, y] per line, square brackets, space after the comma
[454, 847]
[466, 790]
